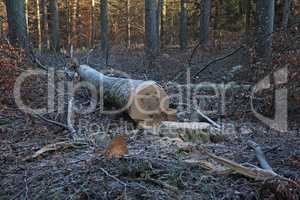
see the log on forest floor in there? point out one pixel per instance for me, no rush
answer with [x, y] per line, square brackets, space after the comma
[142, 100]
[187, 131]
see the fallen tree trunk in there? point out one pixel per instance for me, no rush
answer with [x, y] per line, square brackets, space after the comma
[143, 100]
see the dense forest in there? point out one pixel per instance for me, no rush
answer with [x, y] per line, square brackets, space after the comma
[150, 99]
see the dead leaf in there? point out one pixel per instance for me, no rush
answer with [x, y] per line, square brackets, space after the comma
[117, 148]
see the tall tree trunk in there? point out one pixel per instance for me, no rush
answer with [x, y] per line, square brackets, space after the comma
[16, 22]
[286, 14]
[162, 22]
[27, 18]
[265, 26]
[205, 20]
[78, 23]
[44, 24]
[128, 25]
[248, 15]
[38, 22]
[183, 25]
[160, 4]
[1, 27]
[68, 22]
[53, 24]
[92, 23]
[104, 25]
[151, 49]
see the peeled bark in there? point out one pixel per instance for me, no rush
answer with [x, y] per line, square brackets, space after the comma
[143, 100]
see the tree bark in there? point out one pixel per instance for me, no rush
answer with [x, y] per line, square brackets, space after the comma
[128, 25]
[151, 49]
[68, 22]
[143, 100]
[92, 23]
[78, 23]
[248, 15]
[205, 20]
[104, 25]
[44, 23]
[38, 22]
[162, 22]
[17, 27]
[183, 25]
[286, 14]
[53, 24]
[27, 17]
[265, 28]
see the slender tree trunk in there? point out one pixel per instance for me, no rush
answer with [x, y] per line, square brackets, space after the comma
[92, 23]
[78, 23]
[151, 49]
[248, 15]
[205, 20]
[68, 22]
[27, 18]
[286, 14]
[53, 24]
[183, 25]
[128, 25]
[38, 19]
[162, 22]
[44, 24]
[1, 28]
[265, 26]
[104, 25]
[160, 4]
[73, 22]
[16, 22]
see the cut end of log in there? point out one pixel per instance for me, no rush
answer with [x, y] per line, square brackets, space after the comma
[149, 101]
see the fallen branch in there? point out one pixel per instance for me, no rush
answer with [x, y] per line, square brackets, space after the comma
[50, 121]
[217, 60]
[60, 146]
[202, 115]
[260, 156]
[256, 173]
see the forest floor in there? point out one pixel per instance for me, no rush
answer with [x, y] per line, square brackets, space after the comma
[155, 167]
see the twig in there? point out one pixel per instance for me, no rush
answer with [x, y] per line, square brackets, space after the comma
[217, 60]
[181, 72]
[116, 179]
[50, 121]
[253, 172]
[260, 155]
[202, 115]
